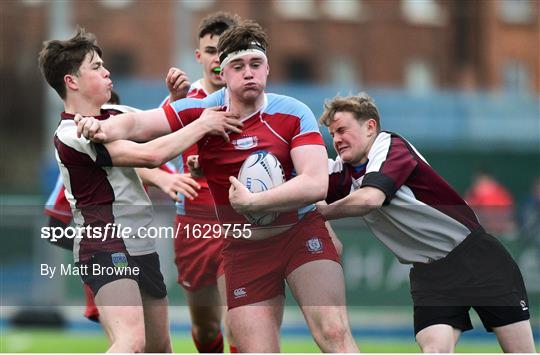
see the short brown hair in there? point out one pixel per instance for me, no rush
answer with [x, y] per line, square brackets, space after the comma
[217, 23]
[362, 106]
[58, 58]
[242, 36]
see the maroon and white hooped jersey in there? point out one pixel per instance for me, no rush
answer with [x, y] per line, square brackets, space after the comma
[423, 218]
[100, 193]
[282, 124]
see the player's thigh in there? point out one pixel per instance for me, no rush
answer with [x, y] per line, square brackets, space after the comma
[516, 337]
[156, 322]
[318, 283]
[255, 327]
[321, 298]
[120, 308]
[438, 338]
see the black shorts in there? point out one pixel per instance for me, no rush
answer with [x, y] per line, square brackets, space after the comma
[103, 268]
[478, 273]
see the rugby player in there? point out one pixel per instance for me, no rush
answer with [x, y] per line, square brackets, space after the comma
[296, 247]
[412, 210]
[102, 192]
[198, 260]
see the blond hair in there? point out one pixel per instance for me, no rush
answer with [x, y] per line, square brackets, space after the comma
[362, 106]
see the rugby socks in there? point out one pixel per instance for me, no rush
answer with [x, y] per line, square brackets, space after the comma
[215, 346]
[233, 349]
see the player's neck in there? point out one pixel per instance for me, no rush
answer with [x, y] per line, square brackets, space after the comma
[83, 107]
[246, 109]
[208, 86]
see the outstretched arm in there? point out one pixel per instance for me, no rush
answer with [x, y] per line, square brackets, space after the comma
[160, 150]
[170, 183]
[357, 203]
[139, 126]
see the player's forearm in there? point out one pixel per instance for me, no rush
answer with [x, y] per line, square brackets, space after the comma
[139, 126]
[165, 148]
[119, 127]
[298, 192]
[149, 177]
[358, 203]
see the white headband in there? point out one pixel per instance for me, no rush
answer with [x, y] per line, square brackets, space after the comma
[235, 55]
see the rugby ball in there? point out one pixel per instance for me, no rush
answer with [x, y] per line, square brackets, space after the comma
[261, 171]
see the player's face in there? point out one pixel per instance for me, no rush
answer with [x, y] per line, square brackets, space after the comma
[246, 76]
[93, 80]
[207, 56]
[352, 138]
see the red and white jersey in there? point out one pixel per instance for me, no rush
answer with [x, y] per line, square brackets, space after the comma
[57, 205]
[282, 124]
[423, 218]
[101, 194]
[203, 205]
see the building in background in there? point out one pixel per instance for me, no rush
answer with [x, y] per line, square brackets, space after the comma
[419, 46]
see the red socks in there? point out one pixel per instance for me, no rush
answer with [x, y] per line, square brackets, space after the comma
[233, 349]
[215, 346]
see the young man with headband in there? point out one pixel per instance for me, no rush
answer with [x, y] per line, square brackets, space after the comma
[296, 247]
[103, 193]
[198, 260]
[414, 212]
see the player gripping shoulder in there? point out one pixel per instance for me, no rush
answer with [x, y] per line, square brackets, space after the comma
[297, 248]
[199, 240]
[107, 199]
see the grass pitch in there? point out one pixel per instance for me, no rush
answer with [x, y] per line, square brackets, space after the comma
[59, 341]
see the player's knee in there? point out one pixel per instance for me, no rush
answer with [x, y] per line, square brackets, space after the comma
[333, 332]
[437, 348]
[205, 331]
[135, 339]
[131, 344]
[163, 345]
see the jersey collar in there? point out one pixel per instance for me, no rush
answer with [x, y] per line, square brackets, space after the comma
[102, 116]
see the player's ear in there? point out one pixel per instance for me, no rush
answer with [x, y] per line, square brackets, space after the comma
[71, 82]
[198, 55]
[267, 69]
[372, 127]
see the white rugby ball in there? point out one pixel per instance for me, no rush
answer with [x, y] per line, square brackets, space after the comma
[261, 171]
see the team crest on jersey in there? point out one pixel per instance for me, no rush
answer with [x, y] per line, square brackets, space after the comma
[245, 143]
[314, 245]
[119, 260]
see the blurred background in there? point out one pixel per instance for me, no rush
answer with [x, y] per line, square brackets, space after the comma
[459, 79]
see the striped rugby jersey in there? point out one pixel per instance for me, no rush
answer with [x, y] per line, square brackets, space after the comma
[282, 124]
[100, 193]
[423, 218]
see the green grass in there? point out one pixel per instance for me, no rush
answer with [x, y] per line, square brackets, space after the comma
[52, 341]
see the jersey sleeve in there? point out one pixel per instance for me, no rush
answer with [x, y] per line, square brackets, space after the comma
[390, 164]
[307, 130]
[182, 112]
[69, 145]
[339, 181]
